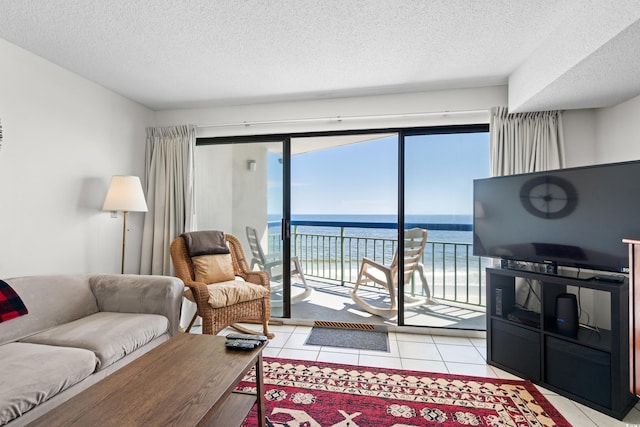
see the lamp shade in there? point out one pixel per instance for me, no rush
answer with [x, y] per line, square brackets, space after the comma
[125, 194]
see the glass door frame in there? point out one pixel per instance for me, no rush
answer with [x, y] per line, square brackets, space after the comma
[286, 199]
[285, 139]
[402, 139]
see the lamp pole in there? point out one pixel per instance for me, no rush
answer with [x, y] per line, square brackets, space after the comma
[124, 238]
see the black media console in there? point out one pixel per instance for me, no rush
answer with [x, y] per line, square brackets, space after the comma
[591, 368]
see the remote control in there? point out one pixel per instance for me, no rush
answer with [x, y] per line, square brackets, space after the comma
[234, 345]
[254, 343]
[611, 279]
[235, 336]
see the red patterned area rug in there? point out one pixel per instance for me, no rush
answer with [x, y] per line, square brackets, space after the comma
[315, 394]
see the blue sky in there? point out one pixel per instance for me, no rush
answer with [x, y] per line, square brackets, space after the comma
[362, 178]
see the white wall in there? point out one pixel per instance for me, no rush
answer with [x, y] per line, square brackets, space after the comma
[618, 132]
[214, 173]
[63, 139]
[475, 101]
[249, 191]
[580, 137]
[603, 135]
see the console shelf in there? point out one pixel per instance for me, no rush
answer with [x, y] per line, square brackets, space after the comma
[591, 368]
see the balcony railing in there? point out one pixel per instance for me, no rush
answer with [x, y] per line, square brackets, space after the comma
[333, 251]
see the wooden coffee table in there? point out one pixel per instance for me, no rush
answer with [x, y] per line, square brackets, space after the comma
[187, 381]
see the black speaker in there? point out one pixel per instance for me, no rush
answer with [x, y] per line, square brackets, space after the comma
[499, 310]
[504, 301]
[567, 314]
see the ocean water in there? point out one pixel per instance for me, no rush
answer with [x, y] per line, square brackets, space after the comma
[449, 236]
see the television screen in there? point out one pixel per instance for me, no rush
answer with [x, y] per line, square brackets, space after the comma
[570, 217]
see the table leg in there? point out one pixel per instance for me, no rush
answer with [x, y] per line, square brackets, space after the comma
[260, 391]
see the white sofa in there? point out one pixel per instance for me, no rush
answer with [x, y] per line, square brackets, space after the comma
[78, 330]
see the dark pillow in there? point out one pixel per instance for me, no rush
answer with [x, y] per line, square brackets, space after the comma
[208, 242]
[11, 305]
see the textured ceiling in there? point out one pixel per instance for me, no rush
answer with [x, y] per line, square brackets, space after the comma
[194, 53]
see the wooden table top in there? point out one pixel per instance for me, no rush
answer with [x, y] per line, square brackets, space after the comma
[179, 382]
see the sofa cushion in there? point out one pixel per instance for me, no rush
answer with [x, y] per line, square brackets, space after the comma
[51, 300]
[111, 336]
[33, 373]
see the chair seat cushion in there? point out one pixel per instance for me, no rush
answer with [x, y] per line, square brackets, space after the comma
[231, 292]
[111, 336]
[33, 373]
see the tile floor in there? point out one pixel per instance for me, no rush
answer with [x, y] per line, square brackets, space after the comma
[331, 301]
[447, 354]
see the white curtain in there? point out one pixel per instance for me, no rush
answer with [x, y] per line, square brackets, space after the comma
[521, 143]
[169, 163]
[527, 142]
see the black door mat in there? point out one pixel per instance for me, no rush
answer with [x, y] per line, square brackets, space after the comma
[349, 338]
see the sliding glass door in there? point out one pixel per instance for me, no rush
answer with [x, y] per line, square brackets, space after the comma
[439, 166]
[344, 200]
[240, 190]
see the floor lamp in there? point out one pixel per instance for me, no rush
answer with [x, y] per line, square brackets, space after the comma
[125, 194]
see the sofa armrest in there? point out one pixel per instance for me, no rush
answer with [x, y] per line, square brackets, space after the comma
[132, 293]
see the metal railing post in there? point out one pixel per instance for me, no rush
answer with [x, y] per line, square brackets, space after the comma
[342, 256]
[455, 272]
[295, 240]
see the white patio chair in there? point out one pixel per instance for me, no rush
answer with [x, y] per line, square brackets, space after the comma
[387, 276]
[272, 264]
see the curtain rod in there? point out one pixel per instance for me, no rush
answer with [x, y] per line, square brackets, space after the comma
[339, 119]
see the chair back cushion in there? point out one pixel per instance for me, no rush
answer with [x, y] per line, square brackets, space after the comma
[207, 242]
[213, 268]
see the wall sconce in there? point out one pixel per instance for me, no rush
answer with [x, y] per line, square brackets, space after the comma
[252, 165]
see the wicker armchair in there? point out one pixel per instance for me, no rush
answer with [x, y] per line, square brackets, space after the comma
[216, 319]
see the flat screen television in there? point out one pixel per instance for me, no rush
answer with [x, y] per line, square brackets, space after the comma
[574, 217]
